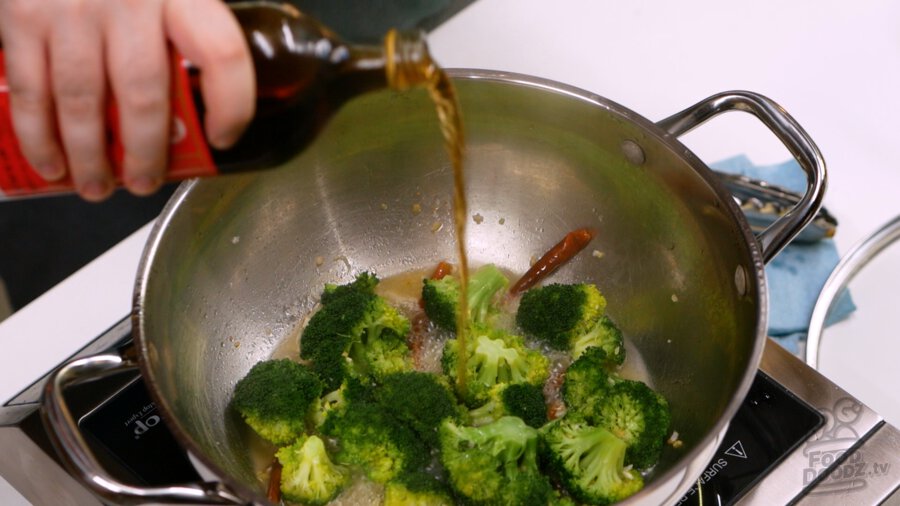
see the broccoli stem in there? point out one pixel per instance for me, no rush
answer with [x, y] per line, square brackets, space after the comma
[485, 283]
[483, 414]
[599, 455]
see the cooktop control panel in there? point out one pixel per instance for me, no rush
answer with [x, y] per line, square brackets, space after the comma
[768, 426]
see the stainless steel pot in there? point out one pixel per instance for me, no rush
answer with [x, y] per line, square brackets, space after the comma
[231, 266]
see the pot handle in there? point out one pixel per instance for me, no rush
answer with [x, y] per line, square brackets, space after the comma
[774, 238]
[74, 452]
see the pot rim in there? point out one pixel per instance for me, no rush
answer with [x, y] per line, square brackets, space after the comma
[688, 468]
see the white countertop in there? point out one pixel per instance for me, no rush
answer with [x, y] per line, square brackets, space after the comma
[833, 66]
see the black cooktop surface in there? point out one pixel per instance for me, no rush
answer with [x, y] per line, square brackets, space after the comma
[768, 426]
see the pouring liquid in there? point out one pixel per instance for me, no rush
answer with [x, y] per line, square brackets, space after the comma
[444, 97]
[421, 70]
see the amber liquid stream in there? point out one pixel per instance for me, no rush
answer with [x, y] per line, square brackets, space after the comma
[423, 71]
[444, 97]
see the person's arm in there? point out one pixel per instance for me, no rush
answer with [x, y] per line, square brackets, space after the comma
[64, 58]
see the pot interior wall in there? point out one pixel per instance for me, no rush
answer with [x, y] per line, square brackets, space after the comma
[235, 268]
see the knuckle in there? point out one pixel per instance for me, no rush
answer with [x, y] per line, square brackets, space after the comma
[28, 101]
[78, 90]
[78, 102]
[143, 98]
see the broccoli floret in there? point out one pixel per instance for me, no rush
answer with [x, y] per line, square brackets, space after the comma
[363, 283]
[417, 489]
[379, 356]
[440, 297]
[589, 461]
[606, 335]
[523, 400]
[419, 399]
[308, 475]
[372, 439]
[629, 409]
[329, 334]
[559, 314]
[351, 391]
[275, 397]
[355, 332]
[493, 357]
[331, 368]
[484, 283]
[638, 416]
[495, 463]
[586, 381]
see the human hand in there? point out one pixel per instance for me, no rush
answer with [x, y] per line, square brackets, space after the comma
[65, 57]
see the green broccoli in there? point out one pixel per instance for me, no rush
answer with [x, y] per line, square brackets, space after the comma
[308, 475]
[275, 397]
[363, 283]
[523, 400]
[589, 461]
[638, 416]
[561, 315]
[605, 335]
[380, 356]
[440, 297]
[417, 489]
[351, 391]
[419, 399]
[355, 332]
[586, 380]
[562, 498]
[629, 409]
[369, 437]
[493, 357]
[495, 463]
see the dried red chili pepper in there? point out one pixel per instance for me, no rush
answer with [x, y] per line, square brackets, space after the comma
[558, 255]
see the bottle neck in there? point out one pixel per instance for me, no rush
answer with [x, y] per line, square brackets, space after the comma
[402, 62]
[408, 62]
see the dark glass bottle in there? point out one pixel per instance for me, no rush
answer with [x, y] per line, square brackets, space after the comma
[305, 74]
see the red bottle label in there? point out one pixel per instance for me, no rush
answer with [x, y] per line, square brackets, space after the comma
[189, 154]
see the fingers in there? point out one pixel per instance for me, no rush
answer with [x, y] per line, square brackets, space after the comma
[137, 64]
[79, 90]
[218, 48]
[60, 55]
[29, 89]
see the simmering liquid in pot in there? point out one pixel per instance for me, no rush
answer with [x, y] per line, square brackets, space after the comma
[403, 291]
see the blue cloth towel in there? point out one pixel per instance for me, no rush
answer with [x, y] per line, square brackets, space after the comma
[796, 275]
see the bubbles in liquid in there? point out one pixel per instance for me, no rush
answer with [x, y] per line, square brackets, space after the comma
[403, 291]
